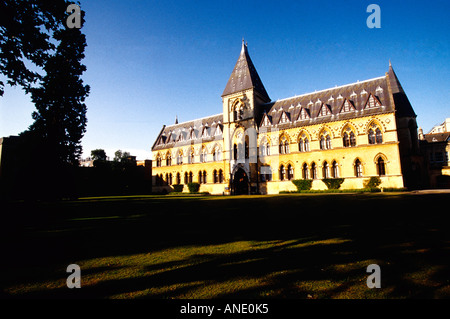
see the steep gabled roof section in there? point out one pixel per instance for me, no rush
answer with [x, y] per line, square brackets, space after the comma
[324, 110]
[372, 102]
[195, 131]
[244, 76]
[401, 102]
[284, 118]
[347, 106]
[303, 114]
[266, 120]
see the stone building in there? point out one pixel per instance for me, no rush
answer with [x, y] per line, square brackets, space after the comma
[257, 145]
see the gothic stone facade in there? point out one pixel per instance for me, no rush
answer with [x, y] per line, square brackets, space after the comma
[256, 145]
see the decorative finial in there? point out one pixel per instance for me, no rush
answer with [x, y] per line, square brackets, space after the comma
[176, 119]
[390, 64]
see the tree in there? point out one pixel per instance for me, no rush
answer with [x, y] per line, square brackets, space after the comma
[120, 156]
[26, 27]
[60, 116]
[98, 155]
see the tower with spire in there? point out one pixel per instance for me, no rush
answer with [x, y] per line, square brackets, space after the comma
[242, 98]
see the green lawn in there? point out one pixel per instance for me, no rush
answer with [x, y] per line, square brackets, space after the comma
[284, 246]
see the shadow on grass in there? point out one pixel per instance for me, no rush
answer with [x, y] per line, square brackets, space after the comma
[304, 246]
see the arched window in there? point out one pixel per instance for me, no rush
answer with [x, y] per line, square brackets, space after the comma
[204, 155]
[265, 148]
[191, 156]
[204, 177]
[303, 143]
[235, 152]
[186, 178]
[282, 173]
[158, 161]
[381, 166]
[374, 134]
[379, 136]
[215, 177]
[325, 141]
[313, 171]
[178, 180]
[170, 179]
[328, 142]
[352, 139]
[325, 170]
[358, 168]
[168, 160]
[305, 171]
[217, 154]
[220, 176]
[180, 157]
[346, 140]
[290, 172]
[334, 170]
[191, 177]
[349, 138]
[200, 177]
[322, 142]
[284, 145]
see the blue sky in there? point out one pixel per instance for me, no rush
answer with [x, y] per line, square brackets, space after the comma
[149, 61]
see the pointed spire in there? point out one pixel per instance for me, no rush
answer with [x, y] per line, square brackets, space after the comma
[402, 105]
[244, 76]
[176, 119]
[395, 83]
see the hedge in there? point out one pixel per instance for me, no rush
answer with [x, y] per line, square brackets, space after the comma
[178, 188]
[193, 187]
[302, 184]
[333, 183]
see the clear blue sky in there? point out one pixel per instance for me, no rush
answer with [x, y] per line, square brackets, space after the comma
[148, 61]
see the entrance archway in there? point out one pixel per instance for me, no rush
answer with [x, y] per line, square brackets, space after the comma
[240, 182]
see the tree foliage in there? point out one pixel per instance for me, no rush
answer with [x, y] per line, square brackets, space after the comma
[333, 183]
[26, 28]
[98, 155]
[302, 184]
[60, 116]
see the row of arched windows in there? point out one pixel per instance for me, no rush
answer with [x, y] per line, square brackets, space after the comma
[348, 140]
[203, 158]
[328, 170]
[168, 178]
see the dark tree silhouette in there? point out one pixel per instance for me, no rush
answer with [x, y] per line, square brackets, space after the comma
[60, 116]
[98, 155]
[26, 28]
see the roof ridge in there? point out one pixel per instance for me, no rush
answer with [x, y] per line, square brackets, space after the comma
[324, 90]
[194, 120]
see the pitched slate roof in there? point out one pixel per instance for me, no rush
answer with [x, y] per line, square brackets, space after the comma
[244, 76]
[401, 101]
[196, 131]
[339, 103]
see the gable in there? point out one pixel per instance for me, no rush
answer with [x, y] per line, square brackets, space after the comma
[324, 110]
[284, 118]
[372, 102]
[347, 106]
[266, 121]
[303, 114]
